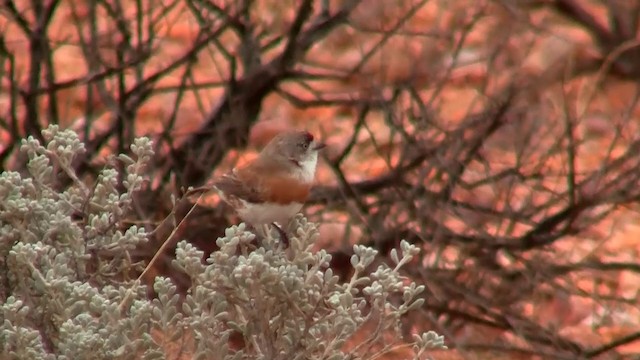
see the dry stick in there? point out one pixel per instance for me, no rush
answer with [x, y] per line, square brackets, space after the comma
[590, 92]
[168, 242]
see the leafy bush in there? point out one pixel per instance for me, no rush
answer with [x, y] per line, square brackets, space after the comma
[67, 293]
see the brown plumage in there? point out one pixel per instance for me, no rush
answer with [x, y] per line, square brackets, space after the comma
[273, 187]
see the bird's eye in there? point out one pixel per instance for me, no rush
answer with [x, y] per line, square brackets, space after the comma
[303, 145]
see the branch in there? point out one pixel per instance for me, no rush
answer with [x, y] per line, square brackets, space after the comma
[228, 125]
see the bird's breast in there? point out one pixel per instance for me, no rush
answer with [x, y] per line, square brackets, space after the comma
[307, 170]
[284, 190]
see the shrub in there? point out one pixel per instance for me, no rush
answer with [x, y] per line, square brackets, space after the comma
[66, 291]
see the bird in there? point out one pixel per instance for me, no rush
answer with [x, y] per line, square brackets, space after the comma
[272, 188]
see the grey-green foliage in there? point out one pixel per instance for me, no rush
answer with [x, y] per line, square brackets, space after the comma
[64, 265]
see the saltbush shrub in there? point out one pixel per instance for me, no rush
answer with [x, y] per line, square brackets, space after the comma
[66, 291]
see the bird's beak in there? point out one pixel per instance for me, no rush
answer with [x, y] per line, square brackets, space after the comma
[318, 145]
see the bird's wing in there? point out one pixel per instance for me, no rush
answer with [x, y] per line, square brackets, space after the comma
[235, 185]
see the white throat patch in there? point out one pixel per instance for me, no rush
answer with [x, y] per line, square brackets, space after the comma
[307, 170]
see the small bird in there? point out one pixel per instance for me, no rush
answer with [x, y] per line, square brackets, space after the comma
[272, 188]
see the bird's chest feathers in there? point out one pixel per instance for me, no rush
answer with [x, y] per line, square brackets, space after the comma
[284, 189]
[292, 186]
[307, 169]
